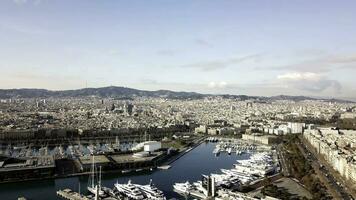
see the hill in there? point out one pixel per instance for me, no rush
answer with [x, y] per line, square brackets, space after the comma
[128, 93]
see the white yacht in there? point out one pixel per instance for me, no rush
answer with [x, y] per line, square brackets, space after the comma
[199, 186]
[238, 152]
[130, 190]
[259, 164]
[243, 177]
[224, 180]
[183, 188]
[229, 150]
[216, 151]
[151, 192]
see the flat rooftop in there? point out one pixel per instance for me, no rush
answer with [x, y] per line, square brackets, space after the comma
[29, 163]
[98, 159]
[127, 158]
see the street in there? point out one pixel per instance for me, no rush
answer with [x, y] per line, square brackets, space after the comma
[331, 182]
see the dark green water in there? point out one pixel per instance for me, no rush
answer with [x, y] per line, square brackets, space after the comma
[188, 168]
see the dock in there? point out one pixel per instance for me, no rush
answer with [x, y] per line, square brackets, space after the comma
[193, 193]
[165, 167]
[71, 195]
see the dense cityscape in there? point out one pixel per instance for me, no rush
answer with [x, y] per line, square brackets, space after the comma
[177, 100]
[305, 143]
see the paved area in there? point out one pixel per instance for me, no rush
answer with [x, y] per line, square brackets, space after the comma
[128, 158]
[86, 160]
[282, 160]
[293, 187]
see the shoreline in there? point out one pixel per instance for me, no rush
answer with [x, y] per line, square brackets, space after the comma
[184, 151]
[169, 161]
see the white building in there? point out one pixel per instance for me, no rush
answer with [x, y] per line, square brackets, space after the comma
[296, 127]
[151, 146]
[337, 148]
[202, 129]
[348, 115]
[263, 139]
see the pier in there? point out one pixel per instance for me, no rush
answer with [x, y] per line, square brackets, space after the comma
[194, 193]
[185, 151]
[71, 195]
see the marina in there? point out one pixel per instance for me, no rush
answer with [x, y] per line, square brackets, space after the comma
[69, 151]
[177, 100]
[236, 146]
[245, 172]
[199, 160]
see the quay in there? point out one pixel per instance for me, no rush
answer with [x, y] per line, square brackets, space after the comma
[194, 193]
[78, 162]
[185, 151]
[71, 195]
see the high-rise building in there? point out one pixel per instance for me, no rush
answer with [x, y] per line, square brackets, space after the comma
[128, 108]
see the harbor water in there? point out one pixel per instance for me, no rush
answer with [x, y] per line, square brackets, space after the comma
[189, 167]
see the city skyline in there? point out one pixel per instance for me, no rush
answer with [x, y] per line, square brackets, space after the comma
[227, 47]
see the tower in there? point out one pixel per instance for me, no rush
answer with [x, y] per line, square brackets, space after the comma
[112, 107]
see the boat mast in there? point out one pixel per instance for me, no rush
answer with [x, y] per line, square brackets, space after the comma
[99, 182]
[93, 173]
[96, 193]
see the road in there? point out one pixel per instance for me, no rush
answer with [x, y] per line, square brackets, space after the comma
[337, 189]
[283, 163]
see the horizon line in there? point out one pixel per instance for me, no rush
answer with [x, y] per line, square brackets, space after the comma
[221, 94]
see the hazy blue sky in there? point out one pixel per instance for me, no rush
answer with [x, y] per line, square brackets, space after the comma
[255, 47]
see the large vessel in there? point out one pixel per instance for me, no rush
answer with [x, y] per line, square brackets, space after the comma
[243, 177]
[151, 191]
[259, 164]
[224, 180]
[183, 188]
[199, 186]
[130, 190]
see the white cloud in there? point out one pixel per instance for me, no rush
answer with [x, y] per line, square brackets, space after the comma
[309, 81]
[221, 84]
[325, 63]
[299, 76]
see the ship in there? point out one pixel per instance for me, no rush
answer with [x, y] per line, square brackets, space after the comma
[183, 188]
[130, 190]
[243, 177]
[151, 192]
[216, 151]
[259, 164]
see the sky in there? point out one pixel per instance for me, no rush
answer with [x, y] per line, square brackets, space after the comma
[254, 47]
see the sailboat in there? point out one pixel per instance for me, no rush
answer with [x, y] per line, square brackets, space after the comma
[91, 182]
